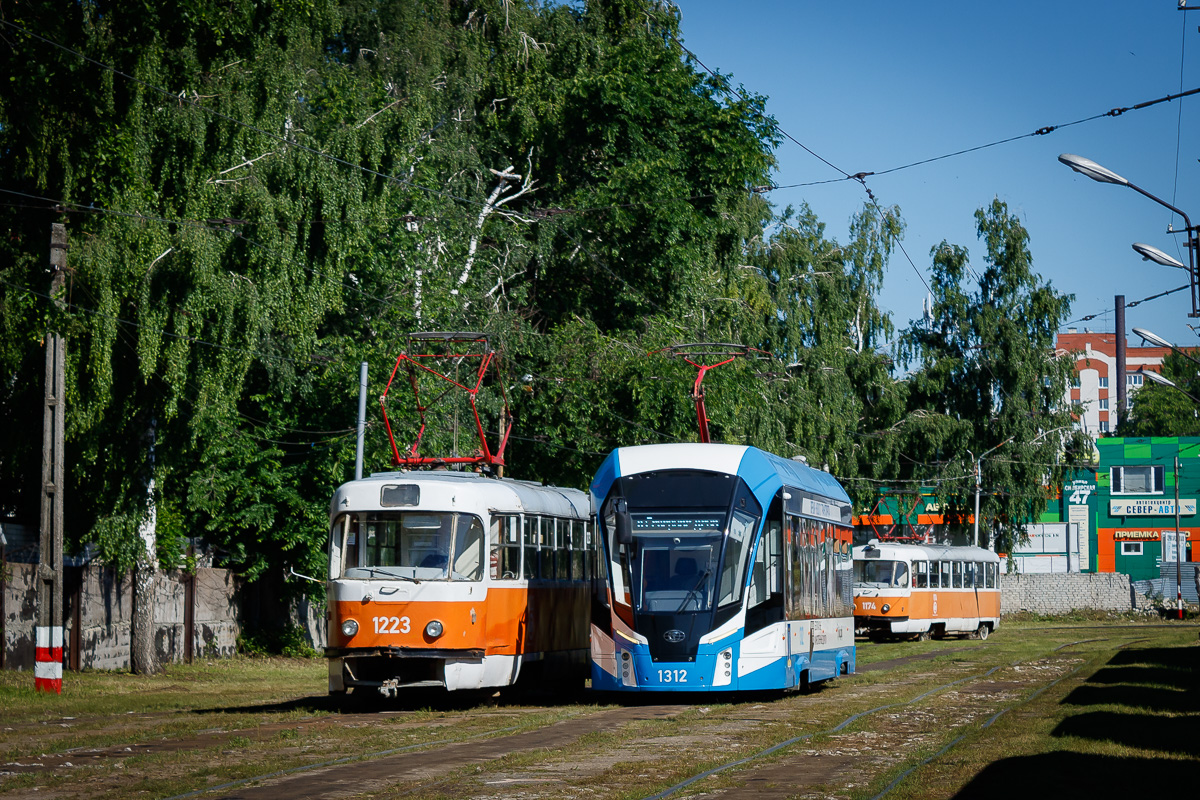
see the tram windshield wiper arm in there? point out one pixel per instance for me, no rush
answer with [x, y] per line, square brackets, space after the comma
[692, 592]
[375, 570]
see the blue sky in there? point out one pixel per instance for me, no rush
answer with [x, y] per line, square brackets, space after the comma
[874, 85]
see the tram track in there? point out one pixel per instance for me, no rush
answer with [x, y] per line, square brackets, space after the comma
[421, 763]
[488, 752]
[425, 773]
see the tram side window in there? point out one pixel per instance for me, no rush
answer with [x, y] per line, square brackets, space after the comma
[468, 549]
[805, 590]
[825, 572]
[958, 574]
[545, 539]
[348, 524]
[529, 555]
[733, 570]
[766, 575]
[562, 552]
[845, 579]
[577, 551]
[549, 554]
[990, 576]
[920, 574]
[945, 573]
[935, 574]
[506, 548]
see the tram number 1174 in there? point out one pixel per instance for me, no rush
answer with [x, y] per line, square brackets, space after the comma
[672, 676]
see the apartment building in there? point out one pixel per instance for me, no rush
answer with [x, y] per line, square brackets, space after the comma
[1094, 390]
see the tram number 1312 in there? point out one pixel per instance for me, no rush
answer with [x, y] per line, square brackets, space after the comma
[392, 624]
[672, 676]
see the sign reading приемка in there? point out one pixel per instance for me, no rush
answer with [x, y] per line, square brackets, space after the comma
[1149, 508]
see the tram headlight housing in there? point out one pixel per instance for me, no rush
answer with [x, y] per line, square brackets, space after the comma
[349, 628]
[886, 608]
[434, 629]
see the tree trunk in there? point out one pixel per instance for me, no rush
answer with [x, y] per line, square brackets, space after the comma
[143, 655]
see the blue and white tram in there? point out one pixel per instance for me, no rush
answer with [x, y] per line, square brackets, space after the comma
[725, 568]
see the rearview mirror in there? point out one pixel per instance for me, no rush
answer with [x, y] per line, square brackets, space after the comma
[624, 522]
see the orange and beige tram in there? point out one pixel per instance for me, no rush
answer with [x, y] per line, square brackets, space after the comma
[925, 590]
[457, 580]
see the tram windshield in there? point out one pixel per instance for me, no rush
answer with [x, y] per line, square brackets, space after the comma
[689, 550]
[676, 570]
[415, 545]
[881, 573]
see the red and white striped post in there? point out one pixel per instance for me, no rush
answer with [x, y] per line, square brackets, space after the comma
[48, 659]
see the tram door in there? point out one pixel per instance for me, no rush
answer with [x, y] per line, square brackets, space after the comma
[765, 604]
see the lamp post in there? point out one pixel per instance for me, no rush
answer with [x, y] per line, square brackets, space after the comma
[978, 467]
[1155, 377]
[1085, 166]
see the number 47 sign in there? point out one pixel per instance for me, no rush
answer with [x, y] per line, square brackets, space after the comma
[1080, 491]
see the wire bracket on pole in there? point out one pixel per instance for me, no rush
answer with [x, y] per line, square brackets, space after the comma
[692, 353]
[427, 354]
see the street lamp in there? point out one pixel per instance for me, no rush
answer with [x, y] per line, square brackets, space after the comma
[1149, 253]
[1154, 377]
[978, 467]
[1085, 166]
[1158, 341]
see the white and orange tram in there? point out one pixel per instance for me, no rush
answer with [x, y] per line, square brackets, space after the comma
[925, 590]
[457, 580]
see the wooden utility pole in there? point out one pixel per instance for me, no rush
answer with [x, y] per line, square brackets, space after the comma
[47, 669]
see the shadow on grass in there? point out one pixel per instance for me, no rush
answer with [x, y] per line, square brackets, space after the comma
[1150, 699]
[1067, 774]
[1140, 731]
[1181, 658]
[1154, 676]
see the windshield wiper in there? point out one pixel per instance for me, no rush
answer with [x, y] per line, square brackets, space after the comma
[692, 592]
[374, 570]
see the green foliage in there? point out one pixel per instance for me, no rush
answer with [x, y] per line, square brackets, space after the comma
[988, 378]
[1162, 411]
[287, 641]
[261, 196]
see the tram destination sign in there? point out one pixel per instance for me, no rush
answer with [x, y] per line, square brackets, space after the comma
[820, 509]
[1144, 507]
[675, 523]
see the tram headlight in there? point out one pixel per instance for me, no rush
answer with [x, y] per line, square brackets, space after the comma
[434, 629]
[886, 608]
[349, 628]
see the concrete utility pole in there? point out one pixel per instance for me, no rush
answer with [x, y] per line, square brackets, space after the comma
[48, 634]
[1120, 326]
[362, 420]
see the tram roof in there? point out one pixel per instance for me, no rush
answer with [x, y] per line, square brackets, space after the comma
[757, 467]
[504, 494]
[930, 552]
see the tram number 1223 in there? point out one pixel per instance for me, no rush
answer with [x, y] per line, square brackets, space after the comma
[672, 676]
[392, 624]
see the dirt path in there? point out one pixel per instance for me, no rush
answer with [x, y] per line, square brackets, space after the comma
[349, 780]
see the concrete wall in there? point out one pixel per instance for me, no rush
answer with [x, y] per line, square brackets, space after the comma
[105, 600]
[1058, 593]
